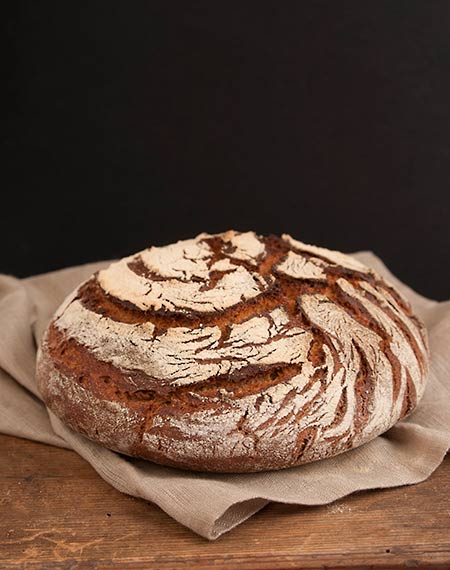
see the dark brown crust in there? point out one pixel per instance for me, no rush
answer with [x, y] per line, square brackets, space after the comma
[106, 381]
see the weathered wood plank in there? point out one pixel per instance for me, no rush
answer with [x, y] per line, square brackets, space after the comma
[56, 513]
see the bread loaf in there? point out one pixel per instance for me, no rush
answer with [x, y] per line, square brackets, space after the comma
[233, 352]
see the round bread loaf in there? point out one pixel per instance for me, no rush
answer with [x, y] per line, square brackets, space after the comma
[233, 352]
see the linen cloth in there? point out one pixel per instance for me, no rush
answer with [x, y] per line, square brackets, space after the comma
[212, 504]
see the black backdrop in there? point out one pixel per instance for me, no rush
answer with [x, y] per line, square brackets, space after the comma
[138, 123]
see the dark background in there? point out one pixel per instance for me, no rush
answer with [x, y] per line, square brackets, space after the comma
[130, 124]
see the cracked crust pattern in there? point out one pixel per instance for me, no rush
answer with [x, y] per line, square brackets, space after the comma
[233, 352]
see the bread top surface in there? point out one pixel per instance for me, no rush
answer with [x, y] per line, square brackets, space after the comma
[245, 335]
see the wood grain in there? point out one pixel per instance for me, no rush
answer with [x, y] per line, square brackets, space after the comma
[56, 513]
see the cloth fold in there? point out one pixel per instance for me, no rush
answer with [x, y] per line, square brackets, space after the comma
[212, 504]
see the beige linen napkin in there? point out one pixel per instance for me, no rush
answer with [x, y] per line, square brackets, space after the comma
[211, 504]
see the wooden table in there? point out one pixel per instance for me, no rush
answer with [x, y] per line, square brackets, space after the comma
[56, 513]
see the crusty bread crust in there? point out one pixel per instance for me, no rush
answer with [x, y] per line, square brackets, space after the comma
[233, 352]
